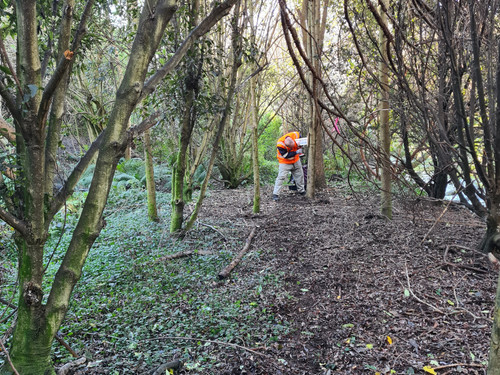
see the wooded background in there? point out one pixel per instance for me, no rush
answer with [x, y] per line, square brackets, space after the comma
[403, 95]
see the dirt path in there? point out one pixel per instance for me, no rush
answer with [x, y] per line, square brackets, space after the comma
[366, 294]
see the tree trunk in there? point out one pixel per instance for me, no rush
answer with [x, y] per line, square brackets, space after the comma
[492, 229]
[494, 357]
[179, 171]
[37, 323]
[57, 111]
[255, 150]
[150, 178]
[236, 45]
[385, 136]
[318, 26]
[181, 191]
[33, 335]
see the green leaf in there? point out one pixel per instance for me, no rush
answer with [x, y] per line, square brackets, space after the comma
[5, 69]
[407, 293]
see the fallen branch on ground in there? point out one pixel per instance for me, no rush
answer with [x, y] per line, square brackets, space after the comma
[446, 263]
[418, 299]
[173, 365]
[458, 364]
[70, 365]
[183, 254]
[213, 228]
[217, 342]
[59, 338]
[226, 271]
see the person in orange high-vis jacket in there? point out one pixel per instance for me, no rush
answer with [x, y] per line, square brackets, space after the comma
[288, 154]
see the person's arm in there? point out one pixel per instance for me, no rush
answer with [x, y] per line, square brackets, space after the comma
[287, 154]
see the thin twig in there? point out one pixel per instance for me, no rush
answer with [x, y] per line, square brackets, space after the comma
[8, 357]
[462, 310]
[446, 254]
[418, 299]
[458, 364]
[60, 237]
[210, 341]
[7, 303]
[215, 229]
[59, 338]
[183, 254]
[438, 219]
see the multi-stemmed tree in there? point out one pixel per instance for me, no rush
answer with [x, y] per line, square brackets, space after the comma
[29, 199]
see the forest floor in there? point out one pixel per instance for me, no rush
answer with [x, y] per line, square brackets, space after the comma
[366, 294]
[328, 286]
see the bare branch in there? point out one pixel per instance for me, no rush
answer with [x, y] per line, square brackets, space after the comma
[5, 57]
[217, 13]
[10, 102]
[144, 125]
[14, 222]
[74, 177]
[63, 65]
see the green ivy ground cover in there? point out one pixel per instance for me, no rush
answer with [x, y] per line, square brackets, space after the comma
[131, 310]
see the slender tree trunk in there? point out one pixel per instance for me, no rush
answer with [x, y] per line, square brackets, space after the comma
[255, 126]
[179, 171]
[494, 357]
[255, 149]
[179, 187]
[236, 45]
[318, 27]
[492, 229]
[385, 136]
[57, 111]
[308, 8]
[150, 178]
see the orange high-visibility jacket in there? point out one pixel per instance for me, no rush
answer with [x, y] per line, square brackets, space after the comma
[290, 156]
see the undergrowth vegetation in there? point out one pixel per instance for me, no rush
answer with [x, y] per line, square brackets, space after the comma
[132, 310]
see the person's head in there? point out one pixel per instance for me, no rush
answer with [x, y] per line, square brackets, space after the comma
[289, 142]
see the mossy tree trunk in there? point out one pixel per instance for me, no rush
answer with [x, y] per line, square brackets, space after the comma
[179, 170]
[236, 46]
[181, 189]
[150, 178]
[35, 206]
[255, 149]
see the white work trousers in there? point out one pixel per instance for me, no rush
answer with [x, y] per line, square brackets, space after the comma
[297, 173]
